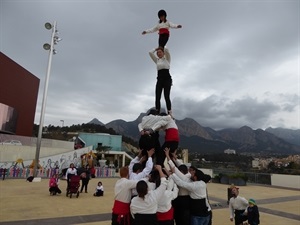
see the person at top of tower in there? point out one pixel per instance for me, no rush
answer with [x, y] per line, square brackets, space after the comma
[163, 28]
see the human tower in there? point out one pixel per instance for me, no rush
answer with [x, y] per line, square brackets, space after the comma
[156, 120]
[143, 195]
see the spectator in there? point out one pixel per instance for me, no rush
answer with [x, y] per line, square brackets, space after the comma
[252, 212]
[99, 190]
[237, 206]
[53, 185]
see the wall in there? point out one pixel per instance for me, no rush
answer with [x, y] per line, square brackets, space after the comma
[284, 180]
[114, 141]
[31, 141]
[19, 90]
[49, 158]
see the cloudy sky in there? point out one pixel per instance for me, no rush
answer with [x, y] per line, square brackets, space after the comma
[234, 62]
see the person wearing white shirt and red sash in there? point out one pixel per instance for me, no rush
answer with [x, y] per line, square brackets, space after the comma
[144, 206]
[121, 207]
[163, 28]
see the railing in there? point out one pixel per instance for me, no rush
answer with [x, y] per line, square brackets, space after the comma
[252, 177]
[15, 172]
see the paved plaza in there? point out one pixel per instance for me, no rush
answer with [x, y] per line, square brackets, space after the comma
[28, 203]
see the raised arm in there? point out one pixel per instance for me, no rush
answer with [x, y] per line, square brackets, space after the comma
[151, 30]
[167, 54]
[153, 56]
[173, 25]
[161, 121]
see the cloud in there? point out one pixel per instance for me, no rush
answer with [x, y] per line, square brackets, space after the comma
[233, 63]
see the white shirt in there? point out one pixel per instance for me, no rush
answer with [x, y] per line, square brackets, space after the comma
[161, 63]
[139, 176]
[184, 177]
[161, 25]
[165, 202]
[99, 188]
[71, 171]
[197, 189]
[153, 122]
[123, 189]
[149, 204]
[238, 203]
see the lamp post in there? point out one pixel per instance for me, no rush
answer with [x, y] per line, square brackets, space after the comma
[54, 40]
[62, 122]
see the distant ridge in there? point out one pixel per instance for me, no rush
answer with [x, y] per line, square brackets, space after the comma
[96, 121]
[206, 140]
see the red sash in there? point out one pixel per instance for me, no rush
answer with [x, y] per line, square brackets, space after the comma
[121, 207]
[122, 210]
[164, 31]
[169, 215]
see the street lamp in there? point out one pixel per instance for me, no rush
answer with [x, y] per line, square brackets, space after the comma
[62, 121]
[54, 40]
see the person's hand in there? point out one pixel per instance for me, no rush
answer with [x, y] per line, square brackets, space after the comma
[144, 32]
[231, 219]
[143, 159]
[158, 167]
[142, 132]
[147, 132]
[173, 169]
[168, 172]
[151, 152]
[179, 26]
[167, 152]
[140, 153]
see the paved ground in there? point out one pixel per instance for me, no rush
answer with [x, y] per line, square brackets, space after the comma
[27, 203]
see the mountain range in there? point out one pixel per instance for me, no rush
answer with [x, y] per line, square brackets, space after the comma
[199, 139]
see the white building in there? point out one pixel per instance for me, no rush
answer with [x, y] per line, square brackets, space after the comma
[229, 151]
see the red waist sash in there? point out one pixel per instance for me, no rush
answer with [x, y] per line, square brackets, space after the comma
[169, 215]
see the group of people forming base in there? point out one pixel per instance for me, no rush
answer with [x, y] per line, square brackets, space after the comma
[157, 195]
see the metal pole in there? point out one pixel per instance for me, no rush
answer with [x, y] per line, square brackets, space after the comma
[39, 139]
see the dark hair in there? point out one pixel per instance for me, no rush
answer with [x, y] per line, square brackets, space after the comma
[199, 174]
[183, 168]
[163, 114]
[136, 167]
[155, 178]
[193, 168]
[152, 111]
[142, 188]
[162, 13]
[206, 178]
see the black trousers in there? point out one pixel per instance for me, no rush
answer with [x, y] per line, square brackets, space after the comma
[164, 82]
[85, 182]
[239, 218]
[161, 156]
[55, 190]
[148, 142]
[145, 219]
[166, 222]
[162, 40]
[181, 210]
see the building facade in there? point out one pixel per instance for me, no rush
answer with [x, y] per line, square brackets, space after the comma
[18, 98]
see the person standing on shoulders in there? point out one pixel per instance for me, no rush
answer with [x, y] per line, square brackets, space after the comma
[162, 60]
[163, 28]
